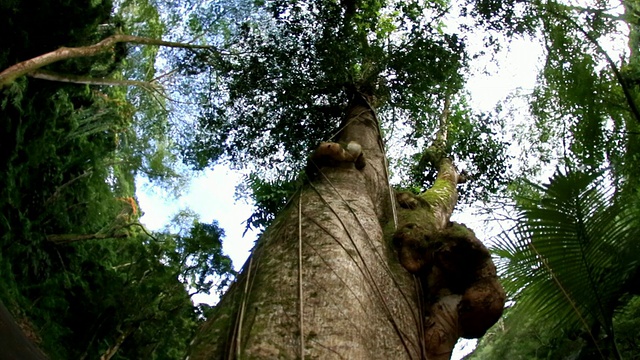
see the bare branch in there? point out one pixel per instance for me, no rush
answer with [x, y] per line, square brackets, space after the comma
[62, 239]
[28, 66]
[154, 89]
[59, 189]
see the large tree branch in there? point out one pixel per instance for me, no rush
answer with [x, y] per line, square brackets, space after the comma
[154, 89]
[113, 349]
[59, 189]
[63, 239]
[443, 195]
[459, 287]
[28, 66]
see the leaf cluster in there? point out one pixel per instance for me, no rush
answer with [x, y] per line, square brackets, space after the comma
[522, 337]
[269, 197]
[506, 17]
[195, 250]
[74, 261]
[477, 144]
[583, 104]
[286, 75]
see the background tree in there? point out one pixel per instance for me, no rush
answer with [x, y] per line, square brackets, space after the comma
[563, 244]
[571, 260]
[584, 102]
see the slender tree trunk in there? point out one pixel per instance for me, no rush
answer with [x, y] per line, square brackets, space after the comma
[113, 349]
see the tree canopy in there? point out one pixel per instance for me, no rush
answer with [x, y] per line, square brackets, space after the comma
[566, 261]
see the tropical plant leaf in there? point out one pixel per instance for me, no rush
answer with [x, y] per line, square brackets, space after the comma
[567, 261]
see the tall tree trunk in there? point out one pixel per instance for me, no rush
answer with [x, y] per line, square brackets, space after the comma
[352, 298]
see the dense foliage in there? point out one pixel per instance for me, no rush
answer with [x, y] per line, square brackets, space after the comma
[523, 338]
[570, 260]
[289, 69]
[285, 80]
[76, 267]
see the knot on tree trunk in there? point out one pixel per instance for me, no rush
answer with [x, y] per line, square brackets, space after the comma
[462, 294]
[331, 154]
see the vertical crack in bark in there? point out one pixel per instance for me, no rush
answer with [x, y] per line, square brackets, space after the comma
[367, 270]
[300, 296]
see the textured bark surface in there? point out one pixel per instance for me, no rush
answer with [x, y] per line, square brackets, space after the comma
[358, 303]
[461, 292]
[357, 295]
[14, 344]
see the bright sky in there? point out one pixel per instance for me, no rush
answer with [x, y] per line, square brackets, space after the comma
[211, 195]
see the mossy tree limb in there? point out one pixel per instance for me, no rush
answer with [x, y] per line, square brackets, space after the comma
[461, 294]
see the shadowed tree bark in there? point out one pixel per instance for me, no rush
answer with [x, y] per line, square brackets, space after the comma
[14, 344]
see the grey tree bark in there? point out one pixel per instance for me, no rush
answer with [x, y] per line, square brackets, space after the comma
[325, 280]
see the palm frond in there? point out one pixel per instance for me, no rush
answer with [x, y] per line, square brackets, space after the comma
[567, 261]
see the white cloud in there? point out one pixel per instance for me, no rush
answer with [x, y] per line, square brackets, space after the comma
[211, 196]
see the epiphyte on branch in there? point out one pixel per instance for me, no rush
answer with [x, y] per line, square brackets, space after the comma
[453, 262]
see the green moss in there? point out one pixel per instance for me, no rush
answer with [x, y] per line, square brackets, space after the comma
[421, 215]
[439, 193]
